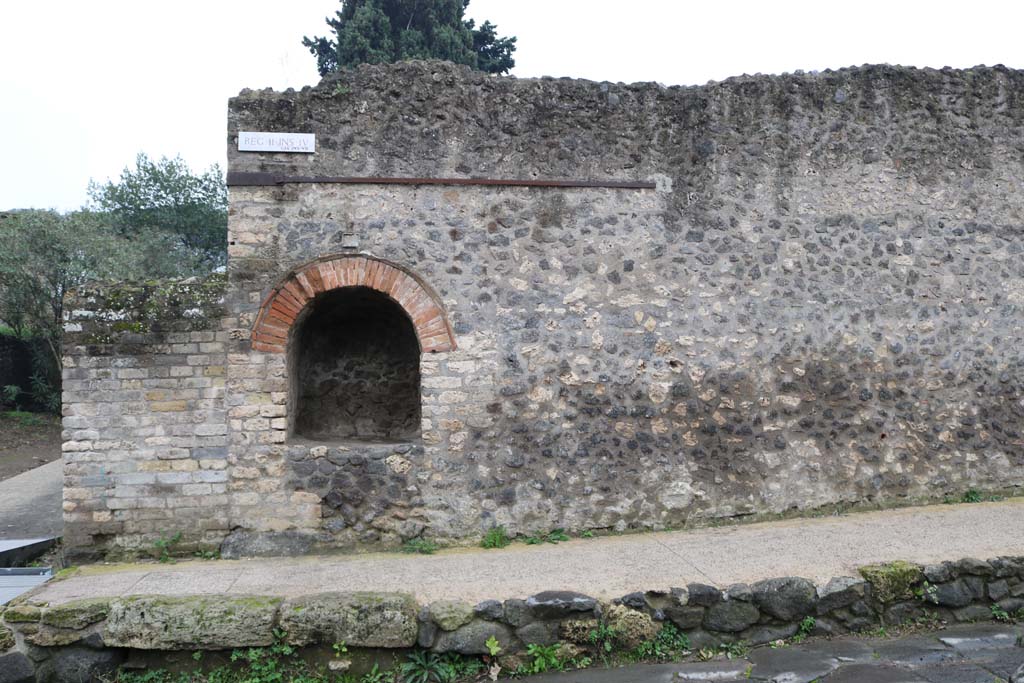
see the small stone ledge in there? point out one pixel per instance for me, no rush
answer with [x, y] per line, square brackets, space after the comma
[770, 610]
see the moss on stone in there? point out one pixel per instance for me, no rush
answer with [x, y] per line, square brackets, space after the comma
[451, 614]
[6, 638]
[362, 619]
[124, 308]
[578, 630]
[631, 626]
[215, 621]
[892, 581]
[135, 326]
[21, 614]
[77, 614]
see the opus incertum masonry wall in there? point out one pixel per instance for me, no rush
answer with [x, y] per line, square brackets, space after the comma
[810, 293]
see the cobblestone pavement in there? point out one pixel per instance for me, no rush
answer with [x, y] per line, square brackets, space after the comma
[981, 653]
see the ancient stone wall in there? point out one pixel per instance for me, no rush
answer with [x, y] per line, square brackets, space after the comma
[816, 302]
[145, 434]
[820, 303]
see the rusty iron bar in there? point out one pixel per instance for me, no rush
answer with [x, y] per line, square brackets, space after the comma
[243, 179]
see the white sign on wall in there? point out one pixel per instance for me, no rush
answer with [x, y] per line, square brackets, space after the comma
[276, 142]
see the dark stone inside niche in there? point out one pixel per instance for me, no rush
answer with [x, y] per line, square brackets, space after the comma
[356, 369]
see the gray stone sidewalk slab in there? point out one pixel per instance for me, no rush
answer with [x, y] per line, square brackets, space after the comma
[1002, 662]
[849, 659]
[967, 639]
[847, 650]
[955, 673]
[30, 503]
[607, 567]
[791, 665]
[874, 673]
[915, 651]
[651, 673]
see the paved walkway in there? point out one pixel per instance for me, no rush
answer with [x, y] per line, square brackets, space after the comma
[608, 567]
[30, 503]
[967, 654]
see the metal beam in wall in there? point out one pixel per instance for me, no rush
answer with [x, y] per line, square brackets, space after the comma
[242, 179]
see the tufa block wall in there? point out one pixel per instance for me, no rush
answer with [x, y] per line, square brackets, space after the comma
[145, 434]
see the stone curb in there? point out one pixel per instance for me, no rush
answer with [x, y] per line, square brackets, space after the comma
[889, 594]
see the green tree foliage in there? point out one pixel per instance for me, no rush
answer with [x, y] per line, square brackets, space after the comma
[380, 31]
[165, 196]
[44, 254]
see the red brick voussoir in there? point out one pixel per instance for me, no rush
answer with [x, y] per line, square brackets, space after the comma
[284, 303]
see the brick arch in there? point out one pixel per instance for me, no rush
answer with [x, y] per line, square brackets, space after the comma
[284, 303]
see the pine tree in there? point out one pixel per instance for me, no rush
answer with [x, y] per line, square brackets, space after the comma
[381, 31]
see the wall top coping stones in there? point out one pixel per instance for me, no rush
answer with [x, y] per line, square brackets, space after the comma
[435, 119]
[100, 313]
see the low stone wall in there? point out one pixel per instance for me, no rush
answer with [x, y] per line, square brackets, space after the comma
[145, 428]
[75, 640]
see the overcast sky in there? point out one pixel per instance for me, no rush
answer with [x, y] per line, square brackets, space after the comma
[84, 86]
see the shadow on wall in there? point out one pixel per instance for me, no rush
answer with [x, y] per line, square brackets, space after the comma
[355, 369]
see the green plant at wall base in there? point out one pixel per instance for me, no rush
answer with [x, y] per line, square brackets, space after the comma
[496, 537]
[581, 662]
[163, 547]
[493, 646]
[425, 667]
[737, 650]
[264, 664]
[926, 592]
[374, 675]
[553, 536]
[603, 638]
[804, 630]
[545, 658]
[669, 643]
[1000, 614]
[278, 663]
[971, 496]
[422, 546]
[462, 667]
